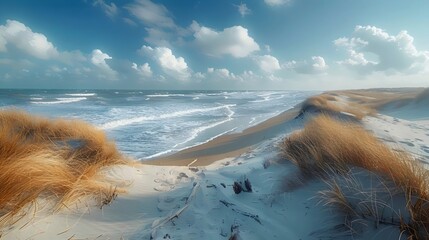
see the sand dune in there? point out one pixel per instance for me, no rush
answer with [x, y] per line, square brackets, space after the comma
[329, 149]
[416, 108]
[58, 160]
[409, 104]
[357, 175]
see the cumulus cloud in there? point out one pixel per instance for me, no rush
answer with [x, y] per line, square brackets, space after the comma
[267, 63]
[18, 35]
[243, 9]
[273, 3]
[173, 66]
[144, 70]
[234, 41]
[392, 52]
[98, 58]
[23, 38]
[109, 9]
[222, 73]
[317, 65]
[151, 14]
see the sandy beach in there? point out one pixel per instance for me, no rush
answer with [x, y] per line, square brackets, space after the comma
[214, 120]
[190, 194]
[231, 145]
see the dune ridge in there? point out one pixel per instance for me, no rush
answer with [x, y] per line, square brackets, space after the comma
[328, 148]
[365, 189]
[58, 160]
[330, 103]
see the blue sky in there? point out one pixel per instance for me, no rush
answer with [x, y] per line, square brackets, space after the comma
[217, 44]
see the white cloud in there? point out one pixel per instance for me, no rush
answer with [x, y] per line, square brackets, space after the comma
[144, 70]
[16, 34]
[224, 73]
[159, 24]
[236, 80]
[98, 58]
[234, 41]
[158, 37]
[22, 37]
[267, 63]
[221, 73]
[129, 22]
[199, 75]
[316, 66]
[243, 9]
[145, 50]
[151, 14]
[319, 64]
[373, 49]
[109, 9]
[173, 66]
[273, 3]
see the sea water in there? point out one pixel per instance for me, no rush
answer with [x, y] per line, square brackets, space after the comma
[147, 124]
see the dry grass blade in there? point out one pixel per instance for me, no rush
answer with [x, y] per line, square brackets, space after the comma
[327, 103]
[327, 146]
[58, 160]
[335, 196]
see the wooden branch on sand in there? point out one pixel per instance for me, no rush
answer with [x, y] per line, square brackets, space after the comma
[177, 213]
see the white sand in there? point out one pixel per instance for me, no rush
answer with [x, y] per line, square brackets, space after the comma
[180, 202]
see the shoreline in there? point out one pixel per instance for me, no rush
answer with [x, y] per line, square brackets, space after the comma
[235, 144]
[229, 145]
[171, 196]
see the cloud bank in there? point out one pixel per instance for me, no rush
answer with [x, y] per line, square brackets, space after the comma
[393, 53]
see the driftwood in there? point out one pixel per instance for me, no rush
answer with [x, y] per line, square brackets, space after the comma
[177, 213]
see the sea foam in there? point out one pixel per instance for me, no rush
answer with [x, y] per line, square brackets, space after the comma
[62, 100]
[129, 121]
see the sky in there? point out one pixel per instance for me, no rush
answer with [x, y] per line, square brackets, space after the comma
[214, 44]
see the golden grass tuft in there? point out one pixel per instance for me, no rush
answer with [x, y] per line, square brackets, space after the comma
[329, 147]
[59, 160]
[328, 103]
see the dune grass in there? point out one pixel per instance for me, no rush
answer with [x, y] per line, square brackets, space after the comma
[58, 160]
[328, 147]
[328, 103]
[380, 98]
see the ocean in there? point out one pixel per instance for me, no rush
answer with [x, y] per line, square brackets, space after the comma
[147, 124]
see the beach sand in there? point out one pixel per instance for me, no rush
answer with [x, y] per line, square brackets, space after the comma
[189, 194]
[231, 145]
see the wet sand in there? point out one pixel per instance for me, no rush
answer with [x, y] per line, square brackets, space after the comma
[231, 145]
